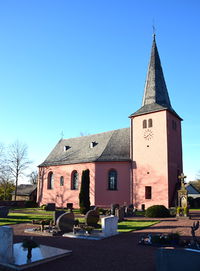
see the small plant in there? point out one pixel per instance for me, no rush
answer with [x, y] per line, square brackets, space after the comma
[157, 211]
[185, 211]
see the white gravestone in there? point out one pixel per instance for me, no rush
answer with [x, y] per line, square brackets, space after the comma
[109, 225]
[6, 244]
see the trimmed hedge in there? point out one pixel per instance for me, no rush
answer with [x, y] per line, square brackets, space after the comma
[157, 211]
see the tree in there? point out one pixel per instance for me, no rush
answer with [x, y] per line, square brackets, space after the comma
[84, 195]
[17, 161]
[33, 177]
[6, 185]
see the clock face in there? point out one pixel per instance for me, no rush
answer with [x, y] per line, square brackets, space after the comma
[148, 134]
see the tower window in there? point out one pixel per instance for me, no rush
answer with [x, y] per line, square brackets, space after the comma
[50, 181]
[147, 192]
[61, 181]
[74, 180]
[144, 124]
[150, 123]
[112, 180]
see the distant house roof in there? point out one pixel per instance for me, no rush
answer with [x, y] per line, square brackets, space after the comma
[109, 146]
[191, 189]
[25, 189]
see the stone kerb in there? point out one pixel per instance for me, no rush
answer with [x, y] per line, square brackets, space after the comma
[6, 248]
[109, 225]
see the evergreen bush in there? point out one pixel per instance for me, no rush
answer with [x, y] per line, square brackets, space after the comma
[157, 211]
[84, 195]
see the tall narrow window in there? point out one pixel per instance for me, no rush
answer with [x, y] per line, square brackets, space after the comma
[150, 123]
[144, 124]
[112, 180]
[61, 181]
[50, 180]
[74, 180]
[147, 192]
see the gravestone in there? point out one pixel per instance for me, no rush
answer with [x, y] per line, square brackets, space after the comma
[65, 222]
[50, 207]
[119, 212]
[113, 207]
[70, 206]
[182, 197]
[109, 225]
[92, 217]
[4, 210]
[6, 247]
[56, 215]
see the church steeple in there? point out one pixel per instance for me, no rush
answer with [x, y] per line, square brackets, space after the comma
[155, 87]
[156, 96]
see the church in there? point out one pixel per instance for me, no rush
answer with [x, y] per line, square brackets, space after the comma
[138, 165]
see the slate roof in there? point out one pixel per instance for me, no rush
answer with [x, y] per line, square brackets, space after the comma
[191, 189]
[25, 189]
[156, 96]
[108, 146]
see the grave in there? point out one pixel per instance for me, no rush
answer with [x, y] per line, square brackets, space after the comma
[92, 217]
[56, 215]
[14, 257]
[4, 210]
[65, 222]
[50, 207]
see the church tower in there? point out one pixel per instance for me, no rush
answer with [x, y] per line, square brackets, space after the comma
[156, 147]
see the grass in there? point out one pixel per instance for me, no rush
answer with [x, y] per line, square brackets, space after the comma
[135, 225]
[17, 218]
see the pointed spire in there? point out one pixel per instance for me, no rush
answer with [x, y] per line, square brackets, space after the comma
[156, 96]
[155, 87]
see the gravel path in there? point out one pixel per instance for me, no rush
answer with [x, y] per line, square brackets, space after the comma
[118, 253]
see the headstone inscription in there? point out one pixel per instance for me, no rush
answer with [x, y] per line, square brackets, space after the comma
[6, 248]
[65, 222]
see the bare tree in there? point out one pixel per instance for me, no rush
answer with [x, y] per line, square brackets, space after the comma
[33, 177]
[18, 161]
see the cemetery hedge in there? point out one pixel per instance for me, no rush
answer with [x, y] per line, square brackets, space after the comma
[157, 211]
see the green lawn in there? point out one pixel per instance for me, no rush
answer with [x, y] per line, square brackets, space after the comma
[26, 215]
[17, 218]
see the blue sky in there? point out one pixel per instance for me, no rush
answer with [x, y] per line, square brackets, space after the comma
[80, 66]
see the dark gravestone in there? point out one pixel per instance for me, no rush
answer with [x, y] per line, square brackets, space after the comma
[92, 217]
[50, 207]
[4, 211]
[119, 212]
[56, 215]
[65, 222]
[113, 207]
[70, 206]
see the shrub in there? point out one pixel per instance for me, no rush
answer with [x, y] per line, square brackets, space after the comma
[157, 211]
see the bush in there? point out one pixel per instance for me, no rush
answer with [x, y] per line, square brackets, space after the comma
[157, 211]
[30, 204]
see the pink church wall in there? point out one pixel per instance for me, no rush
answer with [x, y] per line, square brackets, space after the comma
[151, 160]
[62, 195]
[105, 197]
[174, 154]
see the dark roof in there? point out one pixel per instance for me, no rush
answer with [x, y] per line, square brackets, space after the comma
[191, 189]
[25, 189]
[156, 96]
[108, 146]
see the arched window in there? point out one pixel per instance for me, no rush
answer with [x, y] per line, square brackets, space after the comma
[150, 123]
[112, 180]
[144, 124]
[74, 180]
[50, 180]
[61, 181]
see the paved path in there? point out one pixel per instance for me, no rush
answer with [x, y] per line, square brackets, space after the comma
[119, 253]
